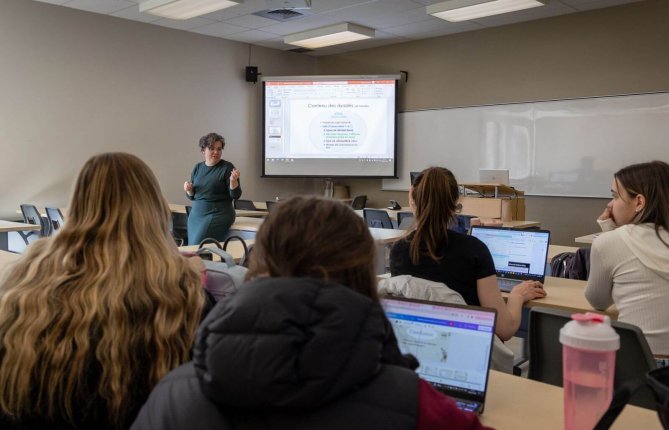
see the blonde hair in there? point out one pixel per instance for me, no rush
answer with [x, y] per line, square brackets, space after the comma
[109, 295]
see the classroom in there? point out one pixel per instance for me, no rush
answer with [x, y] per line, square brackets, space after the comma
[81, 80]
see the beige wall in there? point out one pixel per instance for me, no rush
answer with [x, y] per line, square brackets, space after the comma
[74, 83]
[617, 50]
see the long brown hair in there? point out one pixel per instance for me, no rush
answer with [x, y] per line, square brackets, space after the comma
[109, 294]
[317, 238]
[435, 195]
[650, 180]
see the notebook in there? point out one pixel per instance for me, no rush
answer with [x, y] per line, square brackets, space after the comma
[519, 254]
[453, 344]
[494, 176]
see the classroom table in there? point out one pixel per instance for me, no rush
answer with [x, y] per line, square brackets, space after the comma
[235, 249]
[7, 257]
[588, 238]
[518, 403]
[510, 224]
[181, 209]
[11, 226]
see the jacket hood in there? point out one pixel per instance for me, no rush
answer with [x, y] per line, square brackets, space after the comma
[642, 240]
[290, 343]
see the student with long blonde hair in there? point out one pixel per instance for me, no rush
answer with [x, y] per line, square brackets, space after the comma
[94, 316]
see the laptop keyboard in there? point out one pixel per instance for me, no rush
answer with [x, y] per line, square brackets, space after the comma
[467, 406]
[507, 284]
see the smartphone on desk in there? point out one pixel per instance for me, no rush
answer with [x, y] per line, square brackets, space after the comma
[394, 205]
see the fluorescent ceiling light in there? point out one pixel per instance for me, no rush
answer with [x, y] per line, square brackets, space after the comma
[183, 9]
[330, 35]
[463, 10]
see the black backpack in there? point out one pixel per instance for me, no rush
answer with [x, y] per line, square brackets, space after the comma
[560, 262]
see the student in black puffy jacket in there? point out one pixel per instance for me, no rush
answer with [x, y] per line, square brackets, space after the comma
[305, 344]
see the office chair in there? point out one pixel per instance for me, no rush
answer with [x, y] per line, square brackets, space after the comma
[359, 202]
[404, 220]
[270, 205]
[180, 228]
[55, 217]
[378, 218]
[32, 216]
[462, 223]
[633, 360]
[246, 205]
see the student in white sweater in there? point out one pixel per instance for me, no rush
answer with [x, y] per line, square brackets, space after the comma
[629, 263]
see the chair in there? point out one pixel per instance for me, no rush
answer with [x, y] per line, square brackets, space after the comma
[359, 202]
[404, 220]
[246, 205]
[270, 205]
[180, 227]
[378, 218]
[32, 216]
[55, 217]
[633, 360]
[188, 208]
[462, 223]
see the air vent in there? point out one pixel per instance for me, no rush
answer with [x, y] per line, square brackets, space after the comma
[283, 15]
[301, 50]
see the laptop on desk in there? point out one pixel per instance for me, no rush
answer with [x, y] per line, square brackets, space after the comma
[494, 176]
[519, 254]
[453, 344]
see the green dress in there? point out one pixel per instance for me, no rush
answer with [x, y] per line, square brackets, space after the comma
[212, 213]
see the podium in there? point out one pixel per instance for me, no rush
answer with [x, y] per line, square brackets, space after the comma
[497, 201]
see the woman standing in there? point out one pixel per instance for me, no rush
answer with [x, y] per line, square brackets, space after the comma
[93, 317]
[436, 253]
[213, 185]
[629, 264]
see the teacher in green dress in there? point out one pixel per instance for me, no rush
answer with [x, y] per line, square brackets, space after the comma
[213, 185]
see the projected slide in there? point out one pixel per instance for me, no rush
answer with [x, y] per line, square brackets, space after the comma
[330, 127]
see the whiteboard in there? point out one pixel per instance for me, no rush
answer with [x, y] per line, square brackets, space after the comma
[553, 148]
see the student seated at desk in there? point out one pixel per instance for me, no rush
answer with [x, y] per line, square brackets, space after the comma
[93, 317]
[629, 265]
[305, 344]
[436, 253]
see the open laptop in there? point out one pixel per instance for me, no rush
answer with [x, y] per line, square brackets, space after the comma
[494, 176]
[453, 344]
[519, 254]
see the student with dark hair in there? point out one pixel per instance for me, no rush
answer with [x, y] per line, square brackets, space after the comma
[304, 344]
[213, 185]
[629, 263]
[93, 317]
[434, 252]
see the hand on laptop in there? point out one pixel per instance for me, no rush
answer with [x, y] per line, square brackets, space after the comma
[529, 290]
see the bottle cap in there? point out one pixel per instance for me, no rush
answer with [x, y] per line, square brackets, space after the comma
[590, 331]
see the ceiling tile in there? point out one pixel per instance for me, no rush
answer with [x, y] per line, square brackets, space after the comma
[433, 24]
[249, 6]
[306, 23]
[251, 21]
[368, 10]
[219, 29]
[58, 2]
[251, 36]
[100, 6]
[330, 5]
[187, 24]
[275, 44]
[549, 10]
[459, 27]
[134, 14]
[386, 20]
[595, 4]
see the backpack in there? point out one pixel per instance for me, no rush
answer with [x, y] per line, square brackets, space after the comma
[559, 264]
[222, 278]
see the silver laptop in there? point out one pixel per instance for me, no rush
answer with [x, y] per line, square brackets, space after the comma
[494, 176]
[453, 344]
[519, 254]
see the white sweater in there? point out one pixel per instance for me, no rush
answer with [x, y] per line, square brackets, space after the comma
[629, 266]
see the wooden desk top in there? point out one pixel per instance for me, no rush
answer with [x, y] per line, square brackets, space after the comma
[234, 248]
[6, 258]
[518, 403]
[567, 294]
[7, 226]
[554, 250]
[181, 209]
[588, 238]
[383, 236]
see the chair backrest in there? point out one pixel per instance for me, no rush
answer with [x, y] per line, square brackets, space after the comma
[270, 205]
[359, 202]
[404, 220]
[246, 205]
[378, 218]
[633, 360]
[180, 227]
[55, 217]
[188, 208]
[32, 216]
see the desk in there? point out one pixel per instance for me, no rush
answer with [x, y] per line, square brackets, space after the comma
[10, 226]
[6, 258]
[235, 249]
[509, 224]
[588, 238]
[554, 250]
[518, 403]
[566, 294]
[383, 237]
[181, 209]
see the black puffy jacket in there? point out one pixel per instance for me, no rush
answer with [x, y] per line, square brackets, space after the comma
[289, 353]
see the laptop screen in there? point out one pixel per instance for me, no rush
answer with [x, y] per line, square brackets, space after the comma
[452, 343]
[517, 253]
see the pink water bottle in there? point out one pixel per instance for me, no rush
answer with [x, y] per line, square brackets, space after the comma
[589, 346]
